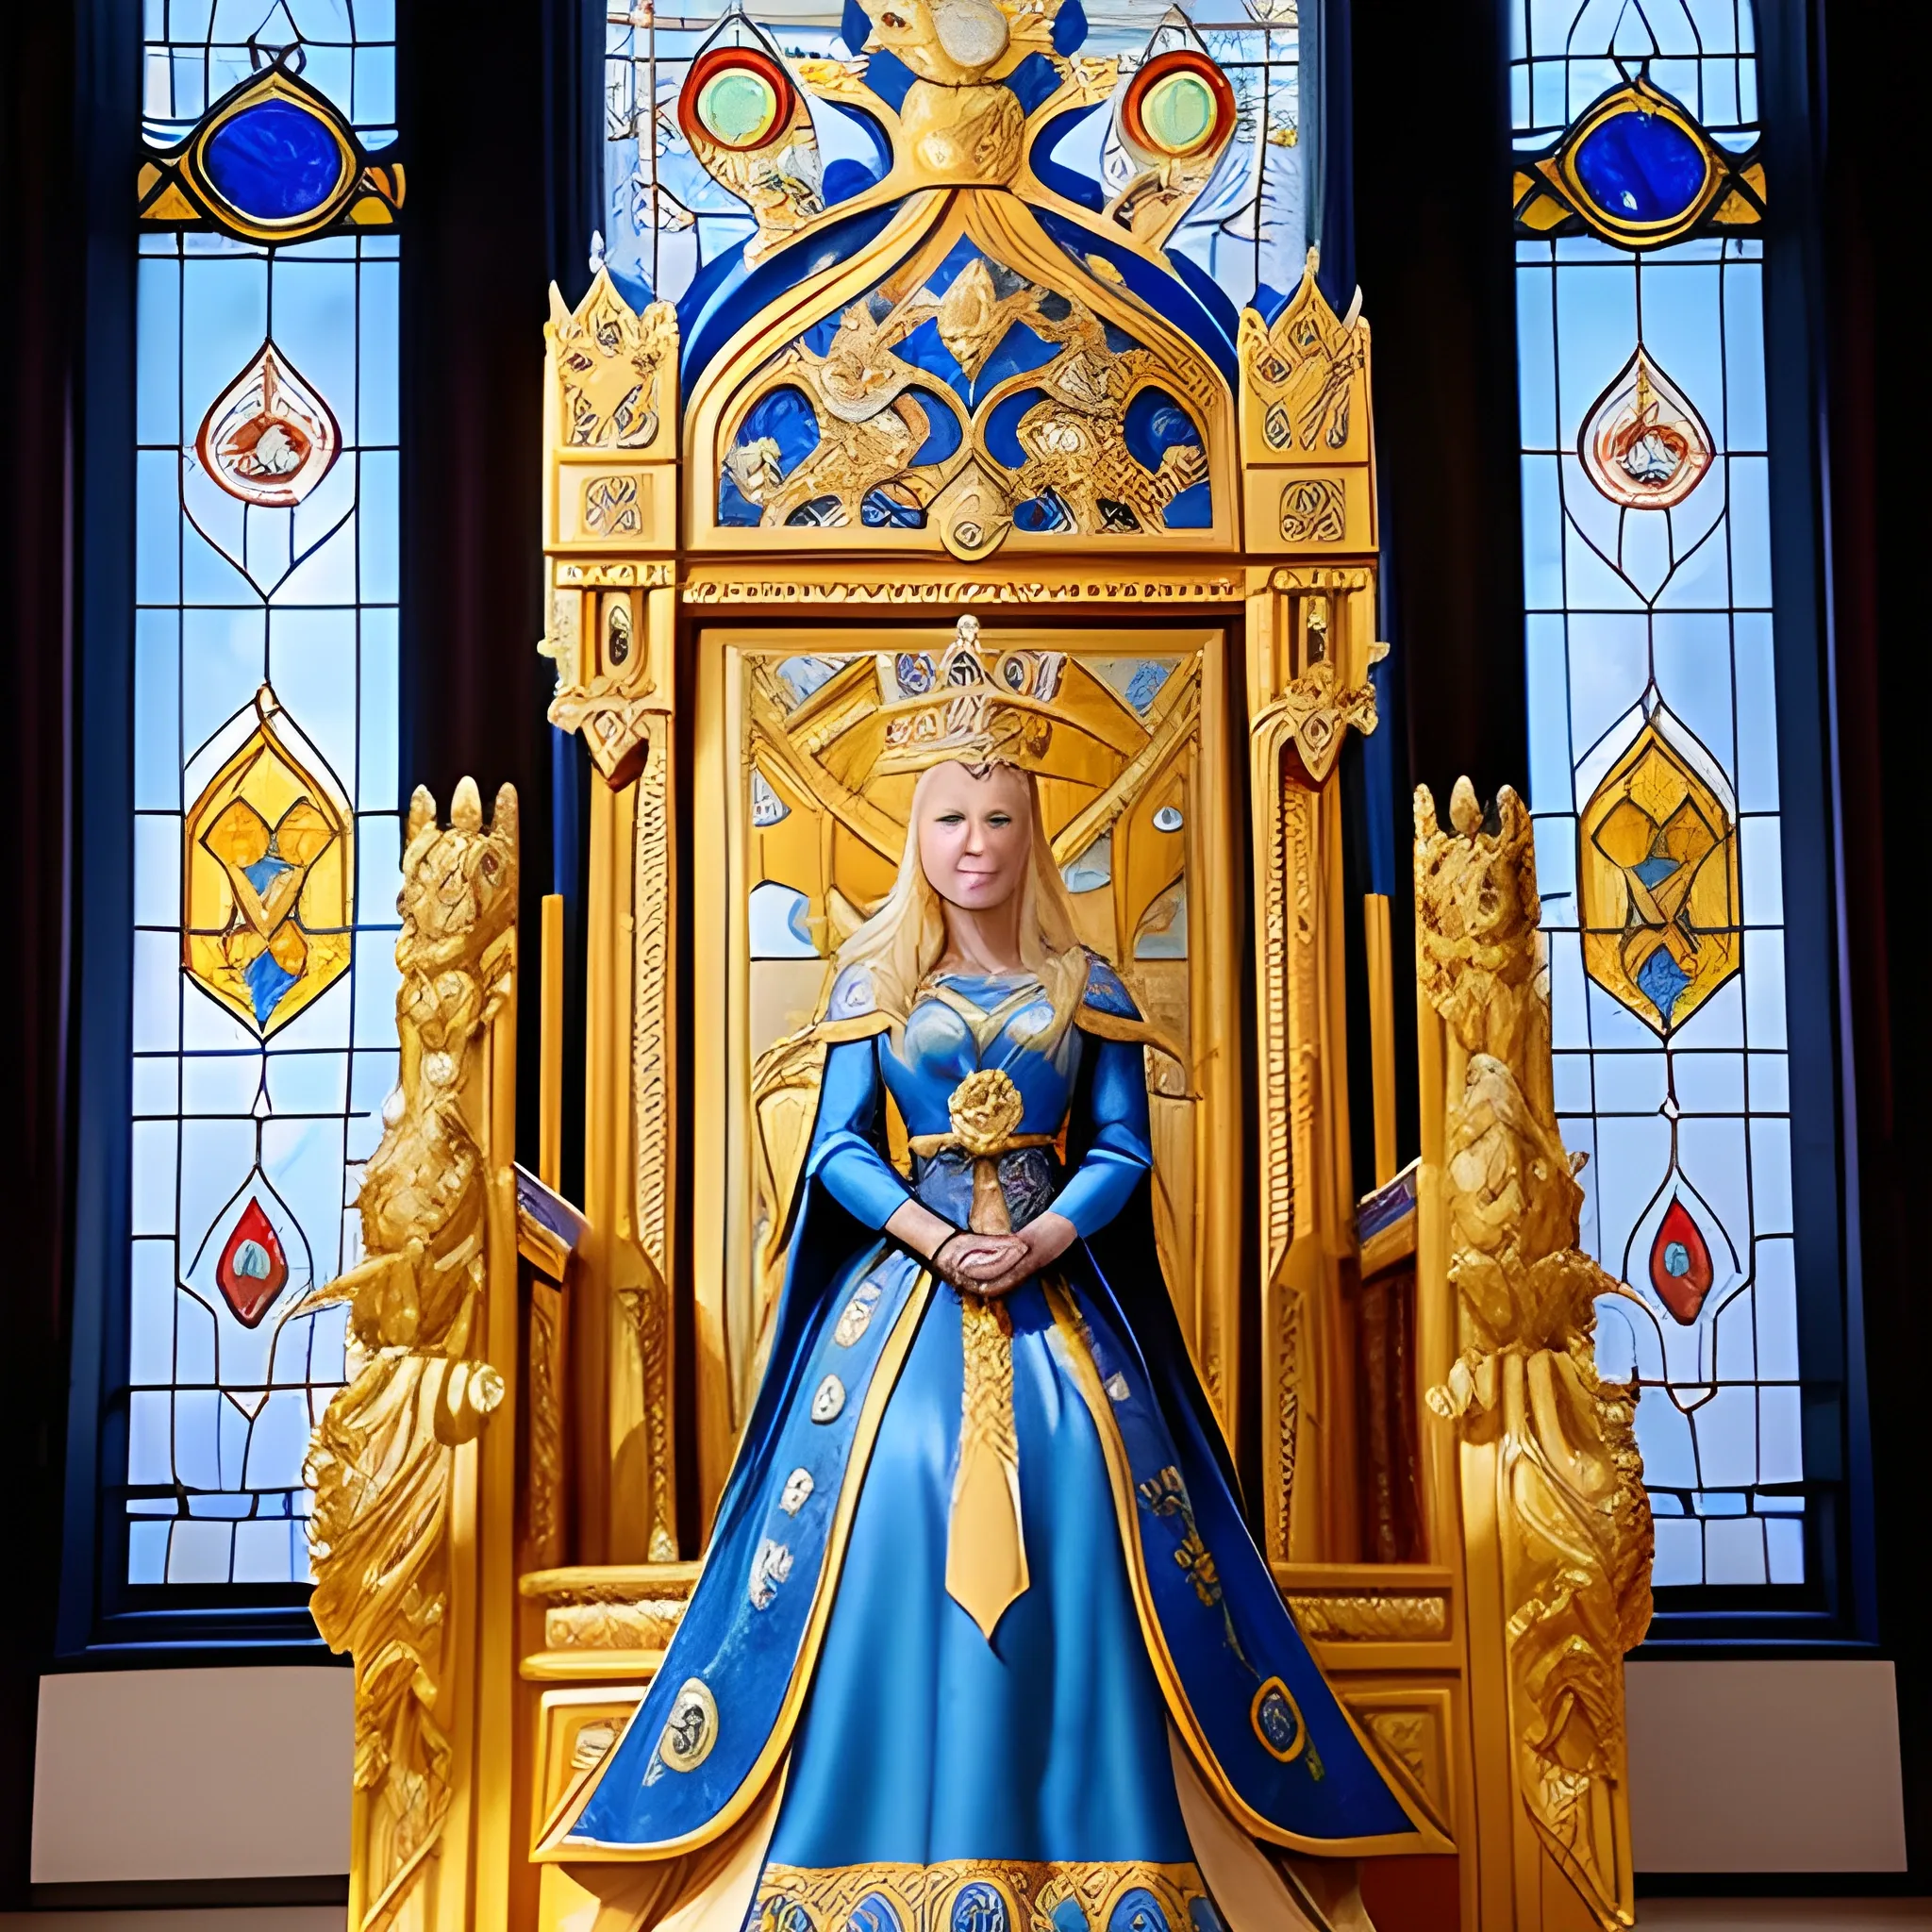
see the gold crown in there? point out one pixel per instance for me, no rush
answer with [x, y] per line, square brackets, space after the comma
[980, 708]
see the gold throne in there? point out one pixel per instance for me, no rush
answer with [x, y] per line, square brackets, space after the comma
[514, 1493]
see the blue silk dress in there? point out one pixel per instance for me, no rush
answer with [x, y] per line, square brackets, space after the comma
[939, 1780]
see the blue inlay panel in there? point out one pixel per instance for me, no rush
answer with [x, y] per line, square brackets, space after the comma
[266, 836]
[1654, 758]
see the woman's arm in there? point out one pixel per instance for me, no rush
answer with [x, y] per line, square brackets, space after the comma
[1120, 1153]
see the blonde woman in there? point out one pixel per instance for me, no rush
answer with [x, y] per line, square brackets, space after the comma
[982, 1644]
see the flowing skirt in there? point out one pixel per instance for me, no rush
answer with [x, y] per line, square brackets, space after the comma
[941, 1782]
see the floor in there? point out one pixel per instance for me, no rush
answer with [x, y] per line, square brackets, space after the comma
[1785, 1915]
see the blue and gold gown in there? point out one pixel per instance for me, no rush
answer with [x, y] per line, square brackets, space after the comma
[1144, 1691]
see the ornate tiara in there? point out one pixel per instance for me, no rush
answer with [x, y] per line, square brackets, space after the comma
[981, 708]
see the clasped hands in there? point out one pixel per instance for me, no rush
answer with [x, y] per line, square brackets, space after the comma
[983, 1264]
[995, 1264]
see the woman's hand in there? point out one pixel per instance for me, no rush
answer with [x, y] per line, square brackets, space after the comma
[970, 1260]
[1040, 1242]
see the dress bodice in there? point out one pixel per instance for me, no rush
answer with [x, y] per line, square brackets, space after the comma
[965, 1022]
[1093, 1086]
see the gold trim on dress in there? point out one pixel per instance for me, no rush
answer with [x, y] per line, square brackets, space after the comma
[923, 1898]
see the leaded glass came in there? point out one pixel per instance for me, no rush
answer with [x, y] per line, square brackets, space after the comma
[1655, 779]
[265, 782]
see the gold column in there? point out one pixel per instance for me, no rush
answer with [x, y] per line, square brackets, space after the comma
[610, 527]
[1554, 1524]
[1308, 498]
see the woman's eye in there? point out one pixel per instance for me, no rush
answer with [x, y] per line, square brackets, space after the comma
[999, 818]
[952, 817]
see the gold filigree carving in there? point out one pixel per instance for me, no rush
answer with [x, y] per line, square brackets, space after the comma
[1573, 1520]
[651, 967]
[1315, 510]
[647, 1327]
[616, 371]
[872, 426]
[878, 587]
[602, 576]
[1384, 1617]
[1306, 372]
[382, 1463]
[640, 1623]
[607, 688]
[611, 424]
[546, 1499]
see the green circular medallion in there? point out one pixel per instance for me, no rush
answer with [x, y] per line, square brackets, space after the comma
[737, 106]
[1178, 112]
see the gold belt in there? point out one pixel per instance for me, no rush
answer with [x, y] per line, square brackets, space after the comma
[986, 1548]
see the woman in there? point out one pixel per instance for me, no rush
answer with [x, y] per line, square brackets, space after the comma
[982, 1642]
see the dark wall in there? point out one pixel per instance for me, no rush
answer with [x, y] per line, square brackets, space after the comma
[1433, 256]
[38, 289]
[503, 135]
[1874, 62]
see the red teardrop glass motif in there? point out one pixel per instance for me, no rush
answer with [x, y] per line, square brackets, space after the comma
[1681, 1268]
[253, 1269]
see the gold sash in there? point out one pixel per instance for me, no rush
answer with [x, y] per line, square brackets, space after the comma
[986, 1549]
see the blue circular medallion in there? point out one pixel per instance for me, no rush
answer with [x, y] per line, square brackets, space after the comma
[980, 1907]
[275, 162]
[1139, 1911]
[1640, 168]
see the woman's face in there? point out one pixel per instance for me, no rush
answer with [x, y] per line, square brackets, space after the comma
[975, 834]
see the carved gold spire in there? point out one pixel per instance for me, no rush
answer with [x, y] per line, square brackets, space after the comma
[1553, 1504]
[395, 1536]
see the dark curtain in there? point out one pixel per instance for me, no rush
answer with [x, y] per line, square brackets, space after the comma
[37, 244]
[1873, 62]
[503, 137]
[1433, 254]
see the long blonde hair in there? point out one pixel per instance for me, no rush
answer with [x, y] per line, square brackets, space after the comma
[905, 939]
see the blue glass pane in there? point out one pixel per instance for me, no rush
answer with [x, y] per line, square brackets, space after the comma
[276, 160]
[1641, 167]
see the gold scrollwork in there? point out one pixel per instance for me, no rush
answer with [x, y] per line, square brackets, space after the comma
[1313, 510]
[643, 1623]
[610, 507]
[383, 1460]
[875, 413]
[1304, 371]
[616, 371]
[1573, 1522]
[974, 1893]
[1384, 1617]
[921, 586]
[547, 1368]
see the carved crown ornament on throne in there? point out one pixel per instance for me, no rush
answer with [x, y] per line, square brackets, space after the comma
[966, 344]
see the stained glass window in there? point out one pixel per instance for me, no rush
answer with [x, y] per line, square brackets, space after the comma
[1639, 199]
[666, 220]
[265, 750]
